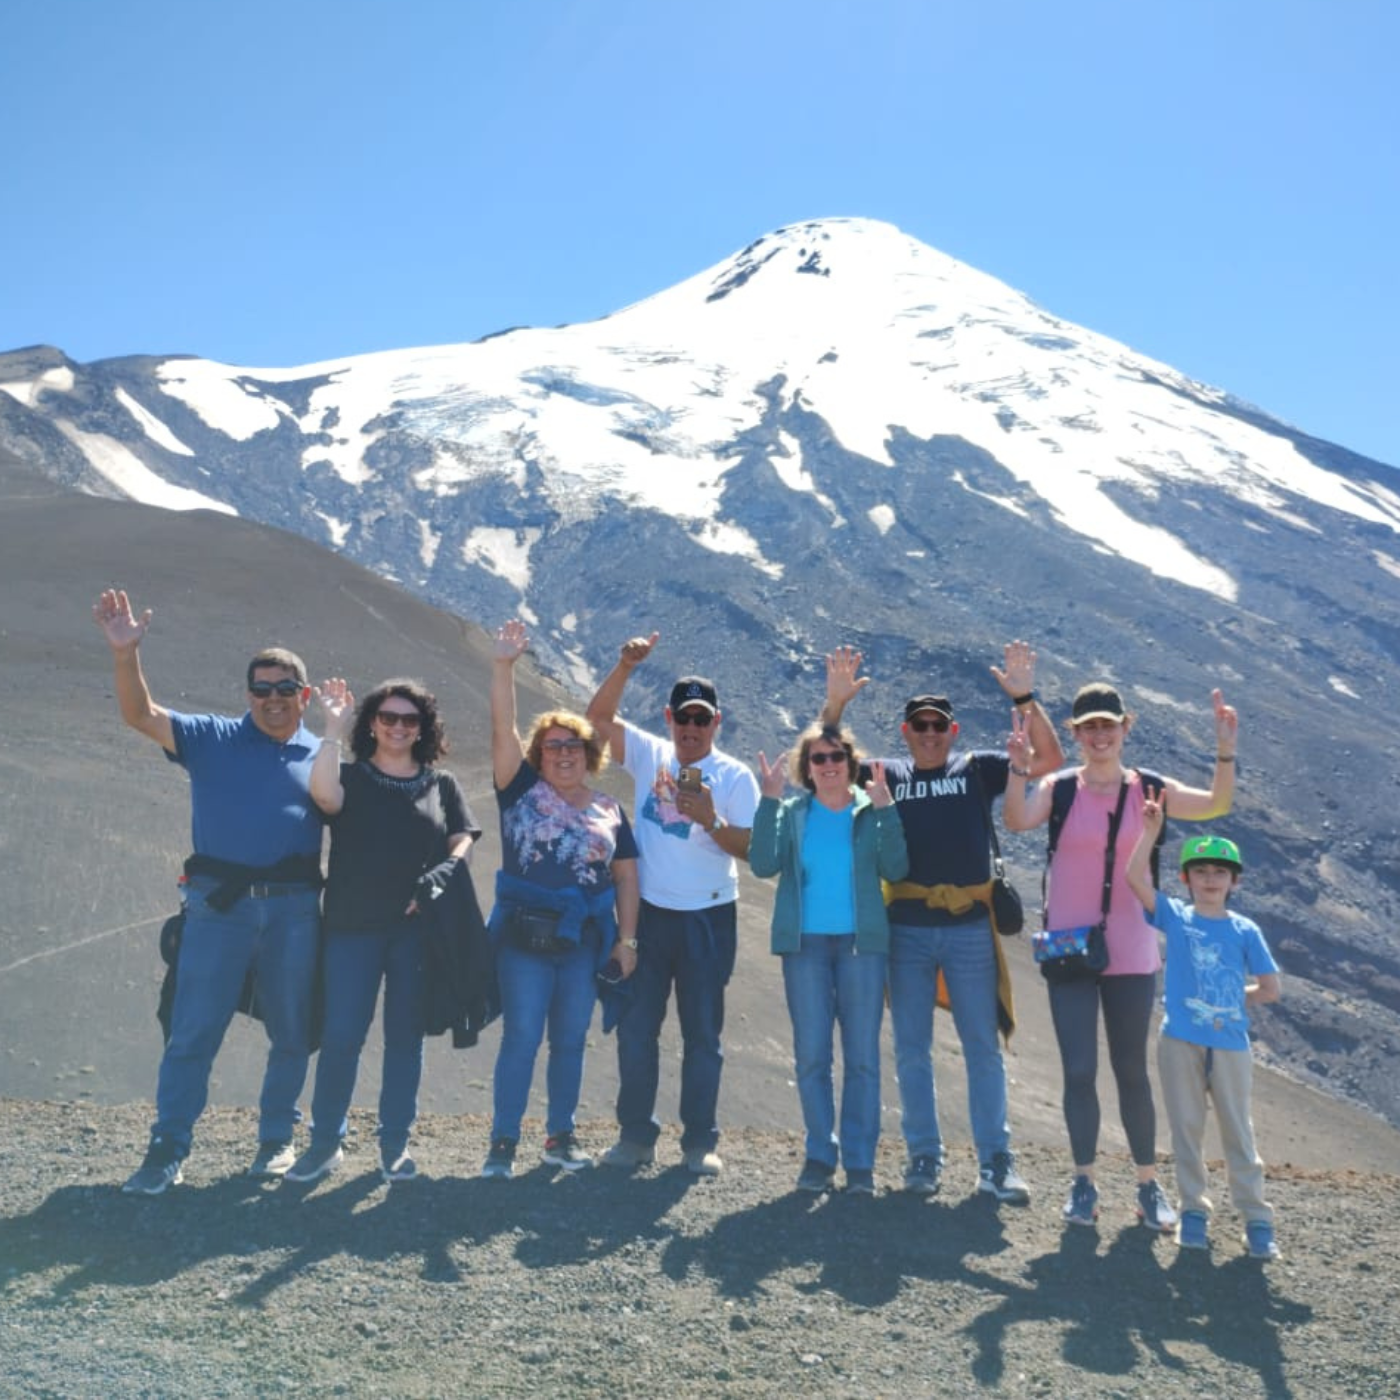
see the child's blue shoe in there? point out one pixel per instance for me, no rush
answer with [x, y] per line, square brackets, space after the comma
[1192, 1233]
[1259, 1240]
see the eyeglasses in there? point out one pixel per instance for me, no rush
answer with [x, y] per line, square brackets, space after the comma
[821, 757]
[923, 726]
[701, 719]
[264, 689]
[562, 745]
[399, 719]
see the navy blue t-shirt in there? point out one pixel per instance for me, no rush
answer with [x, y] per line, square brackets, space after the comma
[945, 827]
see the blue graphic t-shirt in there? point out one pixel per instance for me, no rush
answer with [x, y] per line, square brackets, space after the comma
[1208, 963]
[555, 844]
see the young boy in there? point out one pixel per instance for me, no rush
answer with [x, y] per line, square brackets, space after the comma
[1211, 954]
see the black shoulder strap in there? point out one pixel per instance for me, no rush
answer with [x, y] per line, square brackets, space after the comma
[998, 869]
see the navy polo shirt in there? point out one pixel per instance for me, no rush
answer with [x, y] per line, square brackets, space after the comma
[249, 794]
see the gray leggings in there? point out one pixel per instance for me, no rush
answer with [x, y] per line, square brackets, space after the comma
[1127, 1003]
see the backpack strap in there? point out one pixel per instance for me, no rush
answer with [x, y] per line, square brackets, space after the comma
[1061, 800]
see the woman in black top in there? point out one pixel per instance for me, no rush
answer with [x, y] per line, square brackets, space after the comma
[393, 816]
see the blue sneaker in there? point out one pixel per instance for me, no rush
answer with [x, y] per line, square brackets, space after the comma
[1153, 1208]
[1193, 1231]
[1259, 1240]
[1082, 1206]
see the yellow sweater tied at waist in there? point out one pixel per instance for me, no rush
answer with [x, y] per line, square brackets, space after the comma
[958, 899]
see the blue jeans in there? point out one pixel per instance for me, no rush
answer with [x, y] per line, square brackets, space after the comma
[277, 935]
[826, 983]
[557, 991]
[694, 949]
[968, 960]
[355, 965]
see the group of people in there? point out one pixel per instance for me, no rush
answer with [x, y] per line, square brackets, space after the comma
[885, 894]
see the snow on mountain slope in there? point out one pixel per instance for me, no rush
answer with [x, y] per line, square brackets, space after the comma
[860, 324]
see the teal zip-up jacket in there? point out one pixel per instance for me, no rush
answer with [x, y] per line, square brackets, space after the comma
[879, 853]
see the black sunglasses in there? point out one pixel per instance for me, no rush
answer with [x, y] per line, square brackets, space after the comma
[407, 719]
[263, 689]
[699, 718]
[922, 726]
[821, 758]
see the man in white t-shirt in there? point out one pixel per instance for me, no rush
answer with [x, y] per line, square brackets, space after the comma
[690, 841]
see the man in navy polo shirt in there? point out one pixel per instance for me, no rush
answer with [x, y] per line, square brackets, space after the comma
[252, 894]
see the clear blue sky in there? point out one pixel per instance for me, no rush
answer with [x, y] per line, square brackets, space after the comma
[1213, 182]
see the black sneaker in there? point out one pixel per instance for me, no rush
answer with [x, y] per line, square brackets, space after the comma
[816, 1177]
[160, 1169]
[274, 1159]
[500, 1161]
[562, 1150]
[1000, 1178]
[924, 1175]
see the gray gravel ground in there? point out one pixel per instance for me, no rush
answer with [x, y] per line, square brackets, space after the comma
[655, 1284]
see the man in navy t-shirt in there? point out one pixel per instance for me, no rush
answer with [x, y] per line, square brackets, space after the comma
[252, 895]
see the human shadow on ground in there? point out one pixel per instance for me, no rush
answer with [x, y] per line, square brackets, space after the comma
[1141, 1294]
[96, 1236]
[860, 1247]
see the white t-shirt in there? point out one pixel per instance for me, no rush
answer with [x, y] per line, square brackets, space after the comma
[681, 867]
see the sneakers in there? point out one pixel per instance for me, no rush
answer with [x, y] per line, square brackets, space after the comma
[702, 1161]
[320, 1159]
[401, 1167]
[562, 1150]
[1153, 1208]
[1259, 1240]
[1000, 1178]
[923, 1176]
[274, 1159]
[628, 1155]
[500, 1160]
[816, 1177]
[1193, 1231]
[1082, 1205]
[161, 1168]
[860, 1181]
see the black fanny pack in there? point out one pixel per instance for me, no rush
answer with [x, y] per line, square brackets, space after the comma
[537, 931]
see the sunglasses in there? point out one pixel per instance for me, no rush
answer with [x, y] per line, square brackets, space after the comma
[399, 719]
[923, 726]
[699, 718]
[562, 745]
[822, 757]
[264, 689]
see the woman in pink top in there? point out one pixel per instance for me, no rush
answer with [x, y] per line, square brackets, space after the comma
[1127, 989]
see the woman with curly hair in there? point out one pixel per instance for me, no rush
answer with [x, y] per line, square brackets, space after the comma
[393, 816]
[566, 904]
[830, 847]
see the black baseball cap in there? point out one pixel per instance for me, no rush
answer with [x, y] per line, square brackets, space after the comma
[939, 703]
[1097, 700]
[693, 691]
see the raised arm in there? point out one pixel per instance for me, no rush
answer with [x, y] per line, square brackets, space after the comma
[602, 708]
[1016, 676]
[1023, 810]
[1138, 871]
[842, 683]
[1204, 804]
[506, 748]
[124, 630]
[337, 706]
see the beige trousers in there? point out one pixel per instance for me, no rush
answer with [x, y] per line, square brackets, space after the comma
[1190, 1074]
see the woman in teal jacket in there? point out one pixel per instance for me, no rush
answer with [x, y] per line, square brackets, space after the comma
[830, 847]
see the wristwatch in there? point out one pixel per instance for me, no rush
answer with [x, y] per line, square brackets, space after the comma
[630, 943]
[719, 823]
